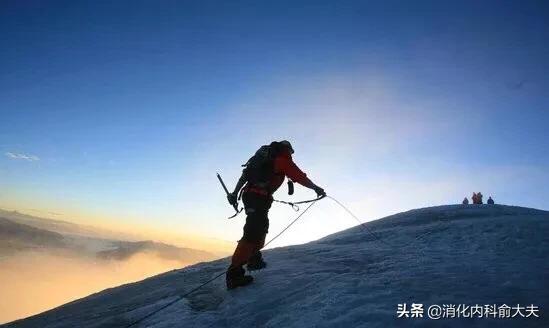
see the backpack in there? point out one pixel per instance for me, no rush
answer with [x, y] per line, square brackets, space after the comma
[259, 169]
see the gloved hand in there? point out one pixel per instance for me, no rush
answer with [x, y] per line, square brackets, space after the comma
[319, 191]
[232, 198]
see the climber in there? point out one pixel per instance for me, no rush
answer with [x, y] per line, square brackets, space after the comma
[263, 174]
[479, 198]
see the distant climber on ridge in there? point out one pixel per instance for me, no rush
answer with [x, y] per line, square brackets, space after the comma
[477, 198]
[465, 201]
[490, 201]
[263, 174]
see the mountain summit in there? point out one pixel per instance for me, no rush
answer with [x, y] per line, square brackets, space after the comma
[454, 257]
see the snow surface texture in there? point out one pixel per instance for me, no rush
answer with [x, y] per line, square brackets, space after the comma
[473, 254]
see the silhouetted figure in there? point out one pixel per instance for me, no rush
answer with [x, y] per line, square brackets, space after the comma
[465, 201]
[262, 176]
[477, 198]
[490, 201]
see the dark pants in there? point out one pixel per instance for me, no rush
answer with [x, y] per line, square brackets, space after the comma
[257, 222]
[257, 225]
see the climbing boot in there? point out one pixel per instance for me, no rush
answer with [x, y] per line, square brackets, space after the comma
[235, 278]
[256, 262]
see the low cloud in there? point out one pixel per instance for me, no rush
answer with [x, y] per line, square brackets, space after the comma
[16, 156]
[51, 279]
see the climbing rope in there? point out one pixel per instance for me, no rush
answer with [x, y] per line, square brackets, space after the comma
[312, 202]
[376, 237]
[294, 206]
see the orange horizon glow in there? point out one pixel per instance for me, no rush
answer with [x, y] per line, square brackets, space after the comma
[126, 231]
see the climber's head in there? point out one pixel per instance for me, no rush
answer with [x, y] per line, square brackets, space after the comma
[287, 145]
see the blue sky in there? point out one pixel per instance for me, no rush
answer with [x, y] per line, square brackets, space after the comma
[131, 107]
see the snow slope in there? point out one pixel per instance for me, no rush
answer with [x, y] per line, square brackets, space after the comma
[466, 255]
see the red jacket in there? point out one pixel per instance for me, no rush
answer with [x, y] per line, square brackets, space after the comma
[284, 166]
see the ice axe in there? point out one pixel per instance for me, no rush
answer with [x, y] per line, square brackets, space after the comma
[235, 205]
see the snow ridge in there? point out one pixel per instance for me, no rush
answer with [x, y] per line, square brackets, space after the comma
[487, 254]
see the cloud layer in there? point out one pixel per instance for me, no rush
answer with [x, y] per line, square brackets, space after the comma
[16, 156]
